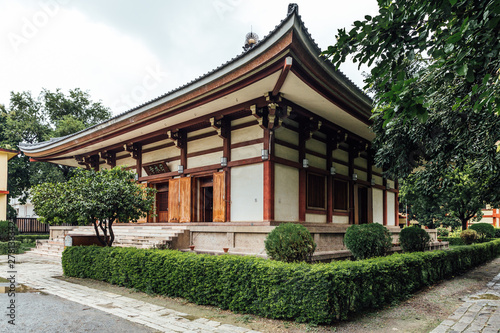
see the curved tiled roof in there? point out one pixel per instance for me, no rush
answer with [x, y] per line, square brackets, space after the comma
[292, 12]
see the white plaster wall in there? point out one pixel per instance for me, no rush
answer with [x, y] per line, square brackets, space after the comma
[126, 162]
[316, 161]
[287, 135]
[203, 144]
[316, 146]
[247, 134]
[341, 155]
[390, 183]
[315, 218]
[3, 171]
[246, 152]
[247, 191]
[341, 169]
[3, 207]
[243, 120]
[391, 201]
[286, 193]
[378, 180]
[157, 155]
[361, 175]
[286, 153]
[340, 219]
[200, 132]
[361, 162]
[378, 205]
[203, 160]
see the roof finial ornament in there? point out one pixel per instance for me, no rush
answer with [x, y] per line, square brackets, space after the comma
[250, 40]
[293, 7]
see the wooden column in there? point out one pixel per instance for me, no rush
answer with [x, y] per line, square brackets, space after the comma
[396, 203]
[351, 185]
[226, 139]
[384, 183]
[369, 164]
[268, 178]
[302, 173]
[329, 183]
[183, 146]
[137, 155]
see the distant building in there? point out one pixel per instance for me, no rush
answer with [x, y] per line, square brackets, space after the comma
[5, 156]
[26, 210]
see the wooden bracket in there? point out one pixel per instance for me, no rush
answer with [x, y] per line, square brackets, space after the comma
[110, 157]
[219, 127]
[175, 137]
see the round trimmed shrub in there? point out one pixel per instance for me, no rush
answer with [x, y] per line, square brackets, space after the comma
[484, 230]
[290, 242]
[368, 240]
[414, 239]
[469, 236]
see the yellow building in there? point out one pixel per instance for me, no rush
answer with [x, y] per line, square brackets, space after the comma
[5, 156]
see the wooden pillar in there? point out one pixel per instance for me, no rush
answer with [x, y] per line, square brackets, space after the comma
[369, 164]
[302, 173]
[137, 154]
[268, 178]
[396, 203]
[384, 183]
[183, 146]
[226, 139]
[351, 186]
[329, 182]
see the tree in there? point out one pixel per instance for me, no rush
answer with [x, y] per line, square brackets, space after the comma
[453, 199]
[35, 119]
[97, 198]
[457, 41]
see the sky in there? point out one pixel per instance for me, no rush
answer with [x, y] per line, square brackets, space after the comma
[125, 53]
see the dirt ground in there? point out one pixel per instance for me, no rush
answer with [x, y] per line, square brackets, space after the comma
[420, 313]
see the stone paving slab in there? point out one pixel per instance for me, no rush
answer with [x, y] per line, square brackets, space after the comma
[39, 271]
[480, 312]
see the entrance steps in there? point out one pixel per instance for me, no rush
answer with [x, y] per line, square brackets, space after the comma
[126, 235]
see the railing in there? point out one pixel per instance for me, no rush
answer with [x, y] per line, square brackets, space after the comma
[31, 226]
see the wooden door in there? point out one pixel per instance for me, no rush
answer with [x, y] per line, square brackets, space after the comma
[174, 200]
[362, 205]
[185, 197]
[219, 197]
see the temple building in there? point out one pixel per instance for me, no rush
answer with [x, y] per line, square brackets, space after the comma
[274, 135]
[5, 156]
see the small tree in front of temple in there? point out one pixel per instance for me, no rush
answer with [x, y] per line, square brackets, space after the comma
[97, 198]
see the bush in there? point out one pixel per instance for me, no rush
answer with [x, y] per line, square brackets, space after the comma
[321, 293]
[10, 247]
[31, 238]
[7, 231]
[368, 240]
[469, 236]
[414, 239]
[485, 230]
[443, 232]
[497, 232]
[453, 240]
[290, 242]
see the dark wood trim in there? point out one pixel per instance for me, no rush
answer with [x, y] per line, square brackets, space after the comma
[286, 162]
[341, 177]
[286, 144]
[377, 174]
[247, 143]
[163, 146]
[245, 125]
[396, 203]
[268, 213]
[206, 151]
[248, 161]
[316, 211]
[138, 160]
[340, 162]
[201, 136]
[313, 153]
[184, 150]
[283, 75]
[196, 171]
[337, 213]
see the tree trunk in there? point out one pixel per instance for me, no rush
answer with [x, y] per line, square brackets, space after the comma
[102, 241]
[464, 223]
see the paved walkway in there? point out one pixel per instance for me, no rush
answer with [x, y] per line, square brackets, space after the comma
[38, 272]
[479, 313]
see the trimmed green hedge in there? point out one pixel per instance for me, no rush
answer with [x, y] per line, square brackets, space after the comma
[452, 240]
[31, 238]
[320, 293]
[13, 247]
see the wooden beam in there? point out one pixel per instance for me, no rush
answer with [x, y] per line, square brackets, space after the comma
[268, 179]
[384, 198]
[302, 173]
[329, 182]
[351, 186]
[283, 75]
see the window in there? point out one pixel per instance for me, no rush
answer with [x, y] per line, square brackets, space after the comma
[316, 191]
[340, 195]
